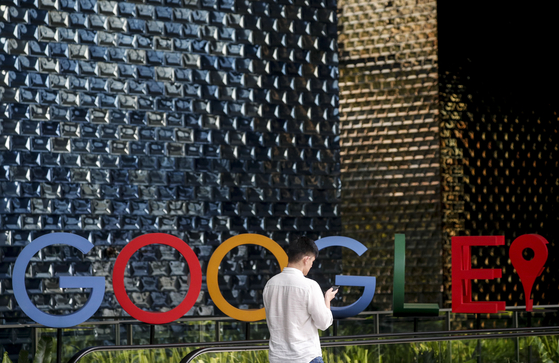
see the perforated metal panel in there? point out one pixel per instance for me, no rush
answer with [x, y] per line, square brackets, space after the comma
[390, 142]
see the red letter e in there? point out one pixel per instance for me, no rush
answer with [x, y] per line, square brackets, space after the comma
[463, 274]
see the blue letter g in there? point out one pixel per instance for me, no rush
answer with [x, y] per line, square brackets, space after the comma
[96, 283]
[368, 282]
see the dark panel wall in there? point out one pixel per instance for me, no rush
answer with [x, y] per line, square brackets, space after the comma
[505, 48]
[500, 174]
[201, 119]
[499, 136]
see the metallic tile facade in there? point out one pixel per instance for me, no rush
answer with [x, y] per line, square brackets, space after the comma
[390, 142]
[198, 118]
[499, 170]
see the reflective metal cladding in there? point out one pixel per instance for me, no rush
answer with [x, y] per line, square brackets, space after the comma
[201, 119]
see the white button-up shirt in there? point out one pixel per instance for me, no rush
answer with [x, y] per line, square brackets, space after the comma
[295, 309]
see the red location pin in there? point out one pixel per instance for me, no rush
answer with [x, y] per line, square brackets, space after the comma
[528, 270]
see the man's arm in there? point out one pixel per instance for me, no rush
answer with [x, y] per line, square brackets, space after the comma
[319, 307]
[328, 296]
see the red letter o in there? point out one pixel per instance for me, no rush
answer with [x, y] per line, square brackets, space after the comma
[193, 289]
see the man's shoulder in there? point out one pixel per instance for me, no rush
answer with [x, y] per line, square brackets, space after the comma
[288, 279]
[312, 283]
[276, 279]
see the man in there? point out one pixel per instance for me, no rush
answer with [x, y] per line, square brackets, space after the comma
[296, 308]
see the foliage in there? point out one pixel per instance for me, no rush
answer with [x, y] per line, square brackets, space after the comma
[235, 357]
[46, 350]
[23, 356]
[138, 356]
[352, 354]
[543, 349]
[499, 350]
[547, 347]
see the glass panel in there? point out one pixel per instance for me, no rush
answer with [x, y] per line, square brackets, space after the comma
[140, 333]
[233, 330]
[74, 340]
[196, 331]
[46, 344]
[537, 317]
[259, 330]
[503, 320]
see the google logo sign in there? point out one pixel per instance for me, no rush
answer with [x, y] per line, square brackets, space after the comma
[97, 283]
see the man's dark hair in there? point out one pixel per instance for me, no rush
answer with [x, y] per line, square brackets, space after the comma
[301, 247]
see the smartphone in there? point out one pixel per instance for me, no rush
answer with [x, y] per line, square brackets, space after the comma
[335, 288]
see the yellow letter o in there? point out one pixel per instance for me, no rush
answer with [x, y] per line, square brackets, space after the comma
[213, 271]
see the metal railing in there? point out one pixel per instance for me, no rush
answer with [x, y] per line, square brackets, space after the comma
[456, 335]
[333, 341]
[374, 317]
[111, 348]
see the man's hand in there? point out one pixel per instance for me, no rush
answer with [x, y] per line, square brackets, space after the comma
[328, 296]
